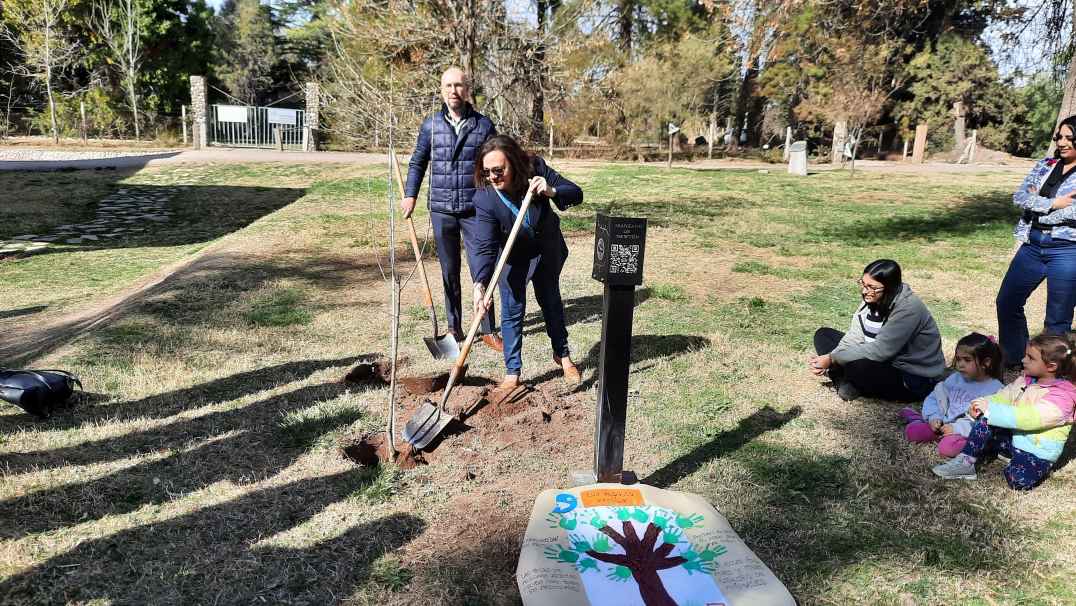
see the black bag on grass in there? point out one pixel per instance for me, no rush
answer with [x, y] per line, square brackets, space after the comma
[37, 391]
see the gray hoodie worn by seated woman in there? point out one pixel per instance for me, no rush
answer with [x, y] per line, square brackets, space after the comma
[894, 355]
[909, 338]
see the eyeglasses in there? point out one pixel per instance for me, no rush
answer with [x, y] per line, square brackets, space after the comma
[873, 289]
[499, 171]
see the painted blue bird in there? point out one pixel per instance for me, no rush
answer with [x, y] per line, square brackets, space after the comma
[565, 503]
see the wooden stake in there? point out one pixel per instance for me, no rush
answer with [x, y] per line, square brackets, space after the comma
[82, 107]
[183, 119]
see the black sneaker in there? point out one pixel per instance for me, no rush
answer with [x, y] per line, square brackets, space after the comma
[847, 392]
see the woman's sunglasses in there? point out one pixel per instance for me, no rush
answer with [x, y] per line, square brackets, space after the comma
[499, 171]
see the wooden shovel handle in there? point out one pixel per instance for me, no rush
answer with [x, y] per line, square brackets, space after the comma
[414, 243]
[489, 295]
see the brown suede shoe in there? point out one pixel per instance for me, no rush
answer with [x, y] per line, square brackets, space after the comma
[510, 382]
[494, 341]
[571, 373]
[457, 335]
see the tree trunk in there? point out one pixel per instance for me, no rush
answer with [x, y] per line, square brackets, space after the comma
[48, 84]
[538, 108]
[742, 100]
[642, 560]
[134, 104]
[1068, 101]
[651, 588]
[625, 22]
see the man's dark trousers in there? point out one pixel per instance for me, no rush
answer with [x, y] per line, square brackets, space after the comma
[447, 228]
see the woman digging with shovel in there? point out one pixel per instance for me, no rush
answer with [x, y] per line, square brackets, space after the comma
[504, 173]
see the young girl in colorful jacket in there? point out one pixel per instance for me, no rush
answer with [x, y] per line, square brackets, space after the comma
[977, 362]
[1028, 421]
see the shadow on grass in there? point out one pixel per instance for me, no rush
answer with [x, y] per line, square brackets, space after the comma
[971, 216]
[223, 554]
[724, 443]
[25, 311]
[236, 445]
[643, 348]
[200, 213]
[587, 308]
[172, 402]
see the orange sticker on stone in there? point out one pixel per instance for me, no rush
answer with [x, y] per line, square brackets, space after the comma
[612, 497]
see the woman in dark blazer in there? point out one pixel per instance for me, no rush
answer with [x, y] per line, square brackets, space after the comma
[504, 173]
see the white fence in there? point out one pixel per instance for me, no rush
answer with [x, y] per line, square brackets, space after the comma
[248, 126]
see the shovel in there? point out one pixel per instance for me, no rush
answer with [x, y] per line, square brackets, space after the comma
[430, 420]
[443, 346]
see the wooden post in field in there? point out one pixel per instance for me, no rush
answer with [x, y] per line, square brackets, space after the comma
[670, 151]
[710, 150]
[183, 119]
[904, 158]
[550, 137]
[920, 148]
[82, 108]
[277, 139]
[974, 143]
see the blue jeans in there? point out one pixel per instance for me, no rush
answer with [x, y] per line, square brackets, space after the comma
[513, 286]
[447, 228]
[1043, 257]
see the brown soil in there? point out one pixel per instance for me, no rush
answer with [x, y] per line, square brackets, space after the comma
[378, 372]
[428, 383]
[375, 448]
[525, 413]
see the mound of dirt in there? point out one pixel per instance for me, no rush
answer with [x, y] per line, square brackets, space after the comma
[523, 414]
[378, 372]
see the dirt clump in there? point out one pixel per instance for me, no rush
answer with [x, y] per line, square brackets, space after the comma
[378, 372]
[375, 449]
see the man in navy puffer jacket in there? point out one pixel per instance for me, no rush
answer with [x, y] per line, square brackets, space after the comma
[450, 139]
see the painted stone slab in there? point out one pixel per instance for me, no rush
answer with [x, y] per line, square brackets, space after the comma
[615, 545]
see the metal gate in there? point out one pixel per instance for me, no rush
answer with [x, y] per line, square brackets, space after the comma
[248, 126]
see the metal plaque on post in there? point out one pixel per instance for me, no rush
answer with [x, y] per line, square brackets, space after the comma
[619, 246]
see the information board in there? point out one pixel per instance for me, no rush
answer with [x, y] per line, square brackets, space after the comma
[282, 116]
[232, 113]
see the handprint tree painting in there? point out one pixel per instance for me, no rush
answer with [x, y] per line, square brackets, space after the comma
[627, 555]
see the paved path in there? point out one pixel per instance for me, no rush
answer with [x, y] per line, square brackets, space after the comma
[223, 155]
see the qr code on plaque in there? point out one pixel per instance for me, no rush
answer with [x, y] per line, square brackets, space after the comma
[624, 259]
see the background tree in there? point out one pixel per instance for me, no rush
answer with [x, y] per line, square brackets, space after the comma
[245, 48]
[36, 28]
[118, 25]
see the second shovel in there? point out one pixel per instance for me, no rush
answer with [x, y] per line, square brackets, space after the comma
[441, 346]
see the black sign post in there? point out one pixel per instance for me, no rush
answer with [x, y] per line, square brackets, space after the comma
[619, 245]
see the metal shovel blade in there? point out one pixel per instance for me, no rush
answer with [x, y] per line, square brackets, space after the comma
[426, 424]
[443, 347]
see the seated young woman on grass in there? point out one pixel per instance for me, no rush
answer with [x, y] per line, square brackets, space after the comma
[1027, 422]
[892, 350]
[945, 411]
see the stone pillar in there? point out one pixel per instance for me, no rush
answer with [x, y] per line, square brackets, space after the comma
[958, 126]
[788, 140]
[920, 148]
[200, 111]
[840, 137]
[310, 130]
